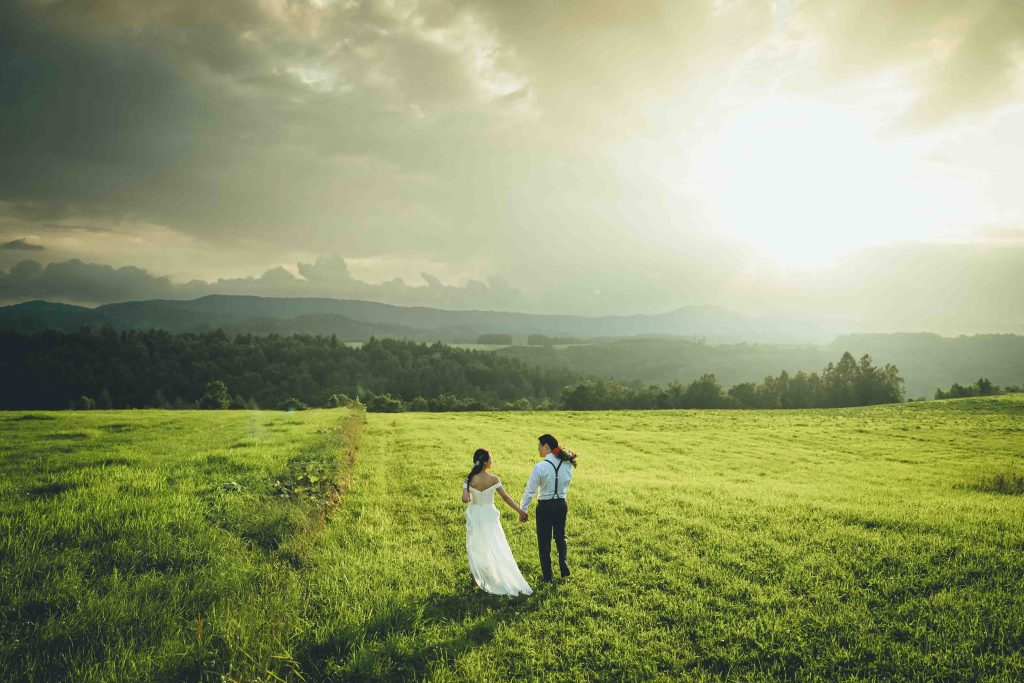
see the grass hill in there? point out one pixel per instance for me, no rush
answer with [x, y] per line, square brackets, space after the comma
[865, 543]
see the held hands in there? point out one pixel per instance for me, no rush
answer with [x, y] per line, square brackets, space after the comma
[523, 516]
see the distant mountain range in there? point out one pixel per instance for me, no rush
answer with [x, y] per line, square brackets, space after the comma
[679, 345]
[354, 320]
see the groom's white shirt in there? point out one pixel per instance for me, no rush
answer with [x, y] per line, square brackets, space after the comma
[542, 480]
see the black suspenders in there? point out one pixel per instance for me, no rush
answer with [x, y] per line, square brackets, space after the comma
[556, 475]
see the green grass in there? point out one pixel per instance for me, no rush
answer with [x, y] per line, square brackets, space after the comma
[871, 543]
[122, 531]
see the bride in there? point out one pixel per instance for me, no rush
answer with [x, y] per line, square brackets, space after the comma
[490, 559]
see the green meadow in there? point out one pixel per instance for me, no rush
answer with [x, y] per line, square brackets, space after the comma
[874, 543]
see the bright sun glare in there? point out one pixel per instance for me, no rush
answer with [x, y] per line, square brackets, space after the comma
[804, 182]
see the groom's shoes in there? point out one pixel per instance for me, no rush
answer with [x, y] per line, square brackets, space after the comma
[564, 570]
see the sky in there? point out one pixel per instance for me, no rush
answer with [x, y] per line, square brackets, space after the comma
[853, 161]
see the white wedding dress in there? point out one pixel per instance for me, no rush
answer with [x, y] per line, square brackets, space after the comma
[490, 558]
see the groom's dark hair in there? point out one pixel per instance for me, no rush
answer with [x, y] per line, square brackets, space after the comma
[561, 453]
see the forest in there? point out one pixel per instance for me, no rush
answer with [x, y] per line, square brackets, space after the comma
[926, 361]
[848, 382]
[982, 387]
[107, 368]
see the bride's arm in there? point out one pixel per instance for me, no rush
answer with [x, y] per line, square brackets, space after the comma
[511, 503]
[465, 492]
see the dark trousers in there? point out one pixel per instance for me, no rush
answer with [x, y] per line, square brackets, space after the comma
[551, 522]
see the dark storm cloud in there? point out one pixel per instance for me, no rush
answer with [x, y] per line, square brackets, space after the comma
[75, 281]
[84, 118]
[23, 245]
[226, 120]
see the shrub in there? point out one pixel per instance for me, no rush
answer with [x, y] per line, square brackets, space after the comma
[215, 396]
[384, 404]
[419, 405]
[292, 403]
[339, 401]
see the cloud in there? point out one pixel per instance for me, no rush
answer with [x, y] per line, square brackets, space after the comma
[982, 68]
[22, 244]
[76, 281]
[1012, 235]
[283, 121]
[526, 149]
[965, 57]
[369, 128]
[329, 269]
[948, 288]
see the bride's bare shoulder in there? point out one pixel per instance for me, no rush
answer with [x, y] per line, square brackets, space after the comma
[484, 479]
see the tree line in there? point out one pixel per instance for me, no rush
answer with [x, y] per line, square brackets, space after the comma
[106, 368]
[983, 387]
[847, 383]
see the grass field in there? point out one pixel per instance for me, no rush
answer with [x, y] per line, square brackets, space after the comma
[870, 543]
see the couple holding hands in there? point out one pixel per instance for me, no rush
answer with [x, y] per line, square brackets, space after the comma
[491, 562]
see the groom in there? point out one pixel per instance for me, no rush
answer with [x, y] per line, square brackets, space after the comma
[550, 482]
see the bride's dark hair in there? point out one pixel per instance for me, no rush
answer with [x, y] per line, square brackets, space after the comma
[561, 453]
[479, 460]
